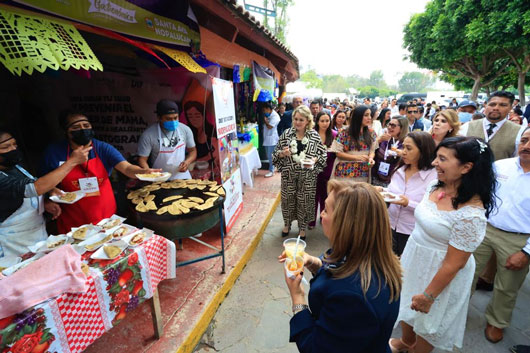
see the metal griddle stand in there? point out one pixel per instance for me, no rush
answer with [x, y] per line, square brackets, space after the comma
[187, 228]
[218, 252]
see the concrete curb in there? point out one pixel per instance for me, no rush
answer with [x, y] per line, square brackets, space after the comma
[196, 333]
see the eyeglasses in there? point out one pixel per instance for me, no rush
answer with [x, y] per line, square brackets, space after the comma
[412, 112]
[392, 125]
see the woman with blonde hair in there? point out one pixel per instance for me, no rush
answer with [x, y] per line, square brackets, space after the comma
[445, 124]
[354, 295]
[299, 156]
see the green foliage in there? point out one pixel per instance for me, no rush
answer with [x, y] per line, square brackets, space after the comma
[377, 79]
[281, 21]
[451, 36]
[372, 92]
[311, 78]
[415, 82]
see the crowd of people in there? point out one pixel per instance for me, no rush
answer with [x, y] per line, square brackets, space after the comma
[454, 219]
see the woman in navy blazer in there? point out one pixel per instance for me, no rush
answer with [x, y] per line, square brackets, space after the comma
[354, 294]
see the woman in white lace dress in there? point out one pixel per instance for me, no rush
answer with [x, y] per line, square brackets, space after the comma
[437, 262]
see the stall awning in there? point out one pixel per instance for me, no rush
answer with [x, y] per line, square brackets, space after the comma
[30, 43]
[167, 22]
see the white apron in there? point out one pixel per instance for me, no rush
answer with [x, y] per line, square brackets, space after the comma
[24, 227]
[169, 158]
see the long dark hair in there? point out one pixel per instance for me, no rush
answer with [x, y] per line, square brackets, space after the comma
[334, 123]
[356, 122]
[426, 145]
[381, 117]
[329, 134]
[480, 180]
[209, 129]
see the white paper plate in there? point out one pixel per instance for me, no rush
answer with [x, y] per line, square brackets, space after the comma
[111, 222]
[43, 246]
[92, 230]
[9, 271]
[148, 234]
[101, 255]
[94, 239]
[10, 260]
[79, 196]
[389, 197]
[162, 177]
[129, 230]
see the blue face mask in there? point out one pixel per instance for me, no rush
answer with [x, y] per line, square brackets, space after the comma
[464, 117]
[171, 125]
[267, 114]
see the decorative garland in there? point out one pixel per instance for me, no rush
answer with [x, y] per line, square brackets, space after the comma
[294, 149]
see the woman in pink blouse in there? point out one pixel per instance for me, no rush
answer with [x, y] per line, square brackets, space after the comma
[410, 182]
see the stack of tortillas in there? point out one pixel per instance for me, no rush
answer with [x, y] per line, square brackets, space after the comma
[200, 195]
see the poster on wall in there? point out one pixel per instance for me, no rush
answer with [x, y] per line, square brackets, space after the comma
[225, 117]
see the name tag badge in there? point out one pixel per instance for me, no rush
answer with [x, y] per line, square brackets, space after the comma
[384, 168]
[89, 186]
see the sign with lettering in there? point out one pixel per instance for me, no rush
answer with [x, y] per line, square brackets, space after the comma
[223, 98]
[146, 19]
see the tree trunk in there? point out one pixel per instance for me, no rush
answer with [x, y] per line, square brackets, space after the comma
[488, 91]
[520, 86]
[476, 88]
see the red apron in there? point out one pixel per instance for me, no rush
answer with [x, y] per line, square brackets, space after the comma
[90, 209]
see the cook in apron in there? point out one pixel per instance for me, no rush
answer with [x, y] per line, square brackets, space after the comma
[99, 203]
[24, 227]
[169, 158]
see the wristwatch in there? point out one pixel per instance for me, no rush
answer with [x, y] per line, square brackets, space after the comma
[299, 307]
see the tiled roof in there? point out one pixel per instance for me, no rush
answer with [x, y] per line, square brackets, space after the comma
[245, 15]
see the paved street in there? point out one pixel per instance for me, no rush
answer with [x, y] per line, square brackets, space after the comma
[254, 318]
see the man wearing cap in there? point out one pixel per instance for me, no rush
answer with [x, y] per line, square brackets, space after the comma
[466, 109]
[167, 145]
[90, 178]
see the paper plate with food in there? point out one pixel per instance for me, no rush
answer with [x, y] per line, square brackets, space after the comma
[154, 177]
[96, 241]
[111, 222]
[68, 197]
[138, 237]
[10, 270]
[53, 242]
[308, 163]
[83, 232]
[8, 261]
[389, 196]
[110, 251]
[121, 231]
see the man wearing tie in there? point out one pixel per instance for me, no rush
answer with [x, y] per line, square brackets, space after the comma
[503, 137]
[501, 134]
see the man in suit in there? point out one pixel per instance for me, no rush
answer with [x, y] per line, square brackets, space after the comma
[287, 117]
[412, 117]
[503, 137]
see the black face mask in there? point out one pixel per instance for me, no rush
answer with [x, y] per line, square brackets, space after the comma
[82, 137]
[11, 158]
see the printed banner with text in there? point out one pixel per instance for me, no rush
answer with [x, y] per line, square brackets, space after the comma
[225, 117]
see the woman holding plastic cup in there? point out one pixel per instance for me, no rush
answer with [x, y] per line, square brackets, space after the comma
[299, 156]
[354, 294]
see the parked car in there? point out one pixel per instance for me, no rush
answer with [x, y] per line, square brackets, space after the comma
[406, 97]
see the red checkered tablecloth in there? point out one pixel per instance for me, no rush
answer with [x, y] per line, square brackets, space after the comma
[71, 322]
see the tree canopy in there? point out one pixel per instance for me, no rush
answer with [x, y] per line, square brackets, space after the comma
[415, 82]
[474, 41]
